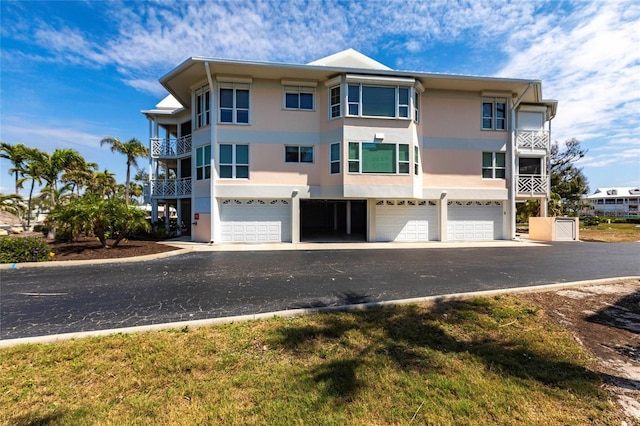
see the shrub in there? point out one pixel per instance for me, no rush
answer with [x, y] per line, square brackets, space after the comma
[589, 220]
[27, 249]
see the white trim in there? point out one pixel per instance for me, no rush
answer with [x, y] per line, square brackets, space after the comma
[233, 79]
[375, 79]
[335, 81]
[304, 83]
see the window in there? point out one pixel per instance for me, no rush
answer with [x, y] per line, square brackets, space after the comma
[416, 160]
[493, 165]
[494, 113]
[334, 158]
[367, 157]
[416, 105]
[377, 101]
[299, 97]
[234, 103]
[234, 161]
[203, 162]
[203, 106]
[334, 101]
[529, 166]
[298, 154]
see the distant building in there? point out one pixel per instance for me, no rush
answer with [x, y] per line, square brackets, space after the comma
[614, 202]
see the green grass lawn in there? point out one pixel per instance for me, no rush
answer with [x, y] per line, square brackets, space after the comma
[611, 232]
[484, 361]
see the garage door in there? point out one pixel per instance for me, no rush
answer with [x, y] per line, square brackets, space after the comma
[406, 220]
[255, 221]
[474, 220]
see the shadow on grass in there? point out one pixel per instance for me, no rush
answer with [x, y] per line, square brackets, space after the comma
[412, 337]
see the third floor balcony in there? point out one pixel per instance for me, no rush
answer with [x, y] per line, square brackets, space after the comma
[171, 148]
[532, 140]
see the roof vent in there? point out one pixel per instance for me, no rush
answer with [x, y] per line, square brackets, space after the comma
[612, 192]
[635, 191]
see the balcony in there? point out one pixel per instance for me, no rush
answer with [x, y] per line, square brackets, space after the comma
[170, 148]
[532, 140]
[171, 188]
[533, 185]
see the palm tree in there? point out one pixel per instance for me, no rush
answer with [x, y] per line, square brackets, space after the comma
[103, 184]
[80, 177]
[12, 203]
[32, 171]
[62, 160]
[133, 149]
[16, 154]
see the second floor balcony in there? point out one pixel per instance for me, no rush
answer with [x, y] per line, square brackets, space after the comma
[532, 140]
[170, 148]
[532, 185]
[170, 188]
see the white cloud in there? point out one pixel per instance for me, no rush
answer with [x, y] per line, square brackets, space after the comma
[589, 60]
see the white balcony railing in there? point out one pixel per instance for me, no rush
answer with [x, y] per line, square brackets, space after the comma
[172, 147]
[533, 185]
[172, 188]
[532, 140]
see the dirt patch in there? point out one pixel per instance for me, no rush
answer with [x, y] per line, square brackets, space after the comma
[605, 320]
[86, 248]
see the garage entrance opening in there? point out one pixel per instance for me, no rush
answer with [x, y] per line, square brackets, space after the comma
[333, 220]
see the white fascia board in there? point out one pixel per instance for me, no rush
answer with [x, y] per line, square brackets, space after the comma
[303, 83]
[376, 79]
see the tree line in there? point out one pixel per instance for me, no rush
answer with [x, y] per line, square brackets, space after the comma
[79, 197]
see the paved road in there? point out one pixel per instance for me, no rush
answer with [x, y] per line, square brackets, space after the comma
[200, 285]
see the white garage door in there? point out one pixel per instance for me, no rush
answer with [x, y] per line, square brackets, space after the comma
[474, 220]
[255, 221]
[406, 220]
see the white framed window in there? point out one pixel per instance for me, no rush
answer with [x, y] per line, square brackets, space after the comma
[234, 103]
[494, 113]
[298, 154]
[335, 102]
[493, 165]
[416, 160]
[416, 106]
[377, 101]
[299, 98]
[334, 158]
[203, 162]
[234, 161]
[202, 106]
[386, 158]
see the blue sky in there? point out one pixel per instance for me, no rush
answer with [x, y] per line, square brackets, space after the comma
[74, 72]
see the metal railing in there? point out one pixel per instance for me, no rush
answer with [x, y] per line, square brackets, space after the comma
[532, 140]
[533, 185]
[172, 147]
[173, 188]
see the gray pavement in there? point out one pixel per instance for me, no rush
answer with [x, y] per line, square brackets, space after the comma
[215, 282]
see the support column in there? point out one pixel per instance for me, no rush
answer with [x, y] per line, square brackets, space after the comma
[167, 216]
[295, 217]
[179, 216]
[371, 220]
[544, 208]
[335, 216]
[443, 216]
[348, 217]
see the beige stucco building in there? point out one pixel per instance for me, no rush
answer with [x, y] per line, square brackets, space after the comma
[344, 149]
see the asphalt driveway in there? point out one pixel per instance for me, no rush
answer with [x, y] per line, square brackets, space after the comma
[202, 285]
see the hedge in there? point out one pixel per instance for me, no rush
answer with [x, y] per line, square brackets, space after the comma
[23, 249]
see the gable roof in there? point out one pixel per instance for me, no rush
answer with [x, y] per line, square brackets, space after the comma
[615, 192]
[349, 58]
